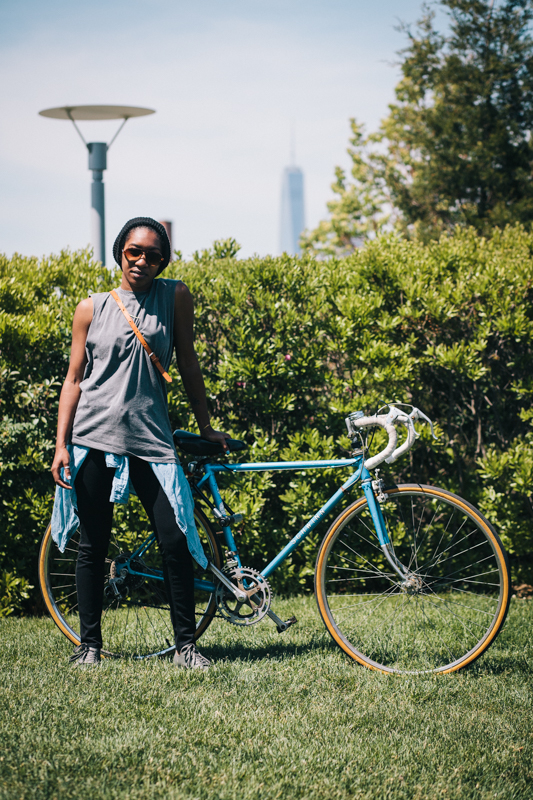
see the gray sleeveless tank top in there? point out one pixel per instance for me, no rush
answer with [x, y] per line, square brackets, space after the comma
[123, 405]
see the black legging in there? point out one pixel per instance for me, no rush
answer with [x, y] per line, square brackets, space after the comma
[93, 488]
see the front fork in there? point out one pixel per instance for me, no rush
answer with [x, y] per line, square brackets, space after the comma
[381, 529]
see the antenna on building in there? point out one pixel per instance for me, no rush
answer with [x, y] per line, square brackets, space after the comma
[292, 154]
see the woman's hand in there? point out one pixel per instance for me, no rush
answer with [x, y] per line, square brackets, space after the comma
[61, 460]
[216, 436]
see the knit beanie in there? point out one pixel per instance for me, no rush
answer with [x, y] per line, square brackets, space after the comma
[142, 222]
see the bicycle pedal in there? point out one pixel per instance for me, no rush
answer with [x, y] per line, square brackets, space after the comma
[287, 624]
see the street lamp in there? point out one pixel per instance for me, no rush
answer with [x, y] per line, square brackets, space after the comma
[97, 157]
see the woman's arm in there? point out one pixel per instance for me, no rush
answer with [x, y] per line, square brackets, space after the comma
[70, 393]
[188, 365]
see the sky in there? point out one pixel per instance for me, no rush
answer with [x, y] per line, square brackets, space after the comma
[229, 80]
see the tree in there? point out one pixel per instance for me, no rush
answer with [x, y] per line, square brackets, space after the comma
[356, 214]
[457, 146]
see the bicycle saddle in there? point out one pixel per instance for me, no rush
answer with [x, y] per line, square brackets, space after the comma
[194, 445]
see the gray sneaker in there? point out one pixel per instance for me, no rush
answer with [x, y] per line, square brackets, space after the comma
[191, 658]
[85, 656]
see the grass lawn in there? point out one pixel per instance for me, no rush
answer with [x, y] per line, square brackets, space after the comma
[278, 717]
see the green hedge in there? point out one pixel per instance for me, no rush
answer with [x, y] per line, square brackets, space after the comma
[289, 347]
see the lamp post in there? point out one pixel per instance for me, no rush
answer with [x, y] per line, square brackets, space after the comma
[97, 157]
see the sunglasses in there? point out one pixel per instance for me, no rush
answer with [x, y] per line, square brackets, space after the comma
[152, 257]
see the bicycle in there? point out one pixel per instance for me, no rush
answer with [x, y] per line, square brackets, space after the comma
[409, 578]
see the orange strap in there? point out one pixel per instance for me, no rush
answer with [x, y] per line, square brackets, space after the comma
[152, 356]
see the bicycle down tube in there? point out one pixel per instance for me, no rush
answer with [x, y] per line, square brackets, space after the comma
[359, 473]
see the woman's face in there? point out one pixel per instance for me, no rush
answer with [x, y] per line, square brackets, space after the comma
[137, 273]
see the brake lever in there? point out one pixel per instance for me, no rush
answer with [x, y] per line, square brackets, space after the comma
[417, 414]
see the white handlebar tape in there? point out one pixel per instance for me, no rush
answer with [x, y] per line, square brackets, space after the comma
[383, 422]
[405, 447]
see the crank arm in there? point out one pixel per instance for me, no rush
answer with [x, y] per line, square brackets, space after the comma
[280, 624]
[242, 597]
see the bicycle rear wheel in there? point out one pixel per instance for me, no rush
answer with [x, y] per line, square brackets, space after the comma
[137, 623]
[449, 608]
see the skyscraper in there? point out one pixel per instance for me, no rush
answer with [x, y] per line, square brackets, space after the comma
[292, 210]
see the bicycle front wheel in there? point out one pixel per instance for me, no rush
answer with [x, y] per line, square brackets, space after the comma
[136, 621]
[451, 602]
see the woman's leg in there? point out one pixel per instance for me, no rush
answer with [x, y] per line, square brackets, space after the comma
[93, 488]
[177, 560]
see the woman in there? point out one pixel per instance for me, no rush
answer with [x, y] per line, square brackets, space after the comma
[113, 427]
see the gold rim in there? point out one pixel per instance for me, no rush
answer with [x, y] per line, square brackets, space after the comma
[45, 591]
[484, 643]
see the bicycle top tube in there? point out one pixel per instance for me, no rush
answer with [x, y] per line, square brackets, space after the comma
[264, 466]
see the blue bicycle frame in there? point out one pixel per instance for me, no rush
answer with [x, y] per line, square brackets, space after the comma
[359, 473]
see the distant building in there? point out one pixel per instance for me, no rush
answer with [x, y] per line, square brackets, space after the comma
[292, 210]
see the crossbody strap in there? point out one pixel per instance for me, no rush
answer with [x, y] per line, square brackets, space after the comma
[152, 356]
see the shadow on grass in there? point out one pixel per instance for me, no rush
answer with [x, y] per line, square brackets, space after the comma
[499, 665]
[493, 663]
[274, 651]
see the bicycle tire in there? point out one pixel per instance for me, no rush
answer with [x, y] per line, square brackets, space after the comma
[439, 621]
[137, 625]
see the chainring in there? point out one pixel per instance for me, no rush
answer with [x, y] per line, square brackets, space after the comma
[259, 593]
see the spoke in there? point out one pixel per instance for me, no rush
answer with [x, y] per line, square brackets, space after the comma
[415, 626]
[457, 616]
[477, 583]
[125, 629]
[466, 566]
[368, 578]
[114, 617]
[359, 519]
[456, 603]
[149, 618]
[360, 535]
[425, 650]
[459, 529]
[359, 594]
[445, 531]
[455, 555]
[64, 596]
[375, 631]
[401, 610]
[467, 591]
[450, 652]
[438, 562]
[416, 532]
[374, 572]
[373, 569]
[429, 527]
[384, 595]
[141, 626]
